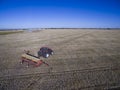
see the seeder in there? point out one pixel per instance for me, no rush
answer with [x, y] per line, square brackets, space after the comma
[31, 59]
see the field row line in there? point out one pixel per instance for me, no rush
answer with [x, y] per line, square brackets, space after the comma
[60, 73]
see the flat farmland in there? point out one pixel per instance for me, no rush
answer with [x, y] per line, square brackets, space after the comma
[82, 60]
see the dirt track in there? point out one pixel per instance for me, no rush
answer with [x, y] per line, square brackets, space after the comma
[83, 59]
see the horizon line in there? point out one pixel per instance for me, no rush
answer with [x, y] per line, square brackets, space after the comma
[51, 28]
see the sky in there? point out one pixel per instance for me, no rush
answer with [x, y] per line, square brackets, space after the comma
[59, 14]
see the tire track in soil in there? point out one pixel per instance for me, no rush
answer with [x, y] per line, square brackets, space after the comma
[62, 44]
[59, 81]
[46, 40]
[70, 39]
[83, 77]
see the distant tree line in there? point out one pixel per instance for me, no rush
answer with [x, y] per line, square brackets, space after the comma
[59, 28]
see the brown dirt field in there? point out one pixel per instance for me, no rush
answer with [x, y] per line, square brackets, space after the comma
[83, 59]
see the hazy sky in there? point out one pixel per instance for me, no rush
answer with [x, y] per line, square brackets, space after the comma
[60, 13]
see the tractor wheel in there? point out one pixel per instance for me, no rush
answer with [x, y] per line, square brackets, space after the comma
[51, 53]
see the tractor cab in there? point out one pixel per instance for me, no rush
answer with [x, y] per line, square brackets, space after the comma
[45, 52]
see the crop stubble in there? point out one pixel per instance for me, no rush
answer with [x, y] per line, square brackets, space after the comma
[83, 59]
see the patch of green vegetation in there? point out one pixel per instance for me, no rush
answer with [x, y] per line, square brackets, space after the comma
[9, 32]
